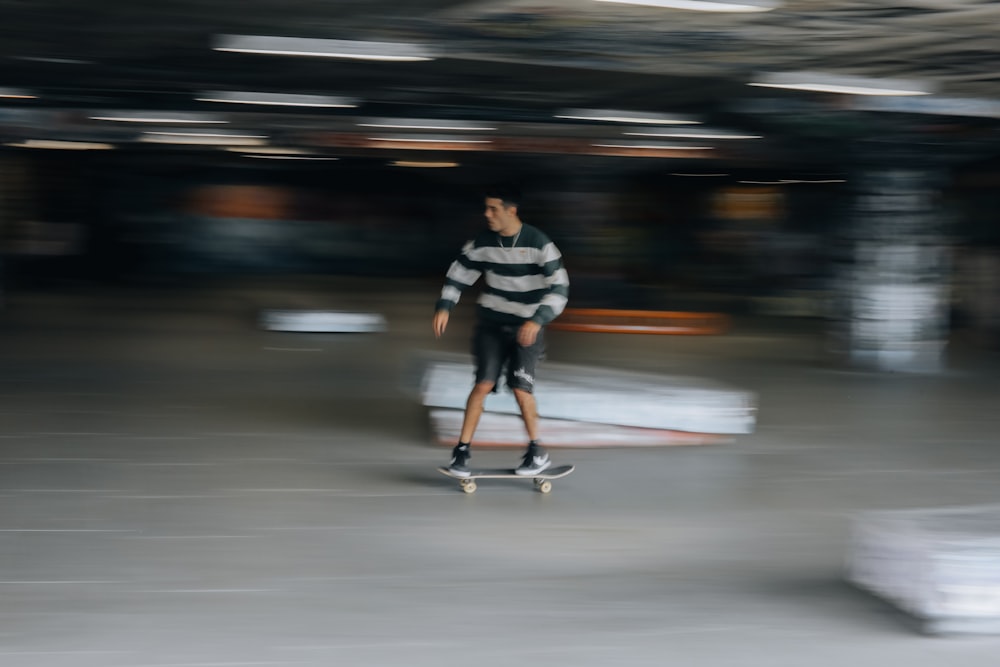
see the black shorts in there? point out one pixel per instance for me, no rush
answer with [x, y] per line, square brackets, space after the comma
[495, 347]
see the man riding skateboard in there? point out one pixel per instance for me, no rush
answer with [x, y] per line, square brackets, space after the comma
[526, 287]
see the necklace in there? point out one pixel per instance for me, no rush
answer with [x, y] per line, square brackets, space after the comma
[516, 237]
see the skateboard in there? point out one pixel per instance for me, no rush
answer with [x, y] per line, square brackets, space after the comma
[542, 479]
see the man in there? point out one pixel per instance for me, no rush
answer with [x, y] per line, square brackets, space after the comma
[526, 288]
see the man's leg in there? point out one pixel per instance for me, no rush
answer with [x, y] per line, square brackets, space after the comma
[461, 454]
[529, 412]
[487, 349]
[488, 353]
[521, 378]
[474, 409]
[536, 458]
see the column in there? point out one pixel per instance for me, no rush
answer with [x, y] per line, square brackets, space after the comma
[891, 294]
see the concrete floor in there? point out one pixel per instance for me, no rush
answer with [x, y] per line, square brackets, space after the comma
[182, 488]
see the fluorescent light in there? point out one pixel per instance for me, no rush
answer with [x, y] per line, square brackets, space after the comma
[425, 124]
[62, 145]
[846, 85]
[322, 48]
[693, 134]
[615, 116]
[704, 5]
[700, 175]
[425, 165]
[230, 135]
[161, 117]
[17, 94]
[267, 150]
[278, 99]
[201, 140]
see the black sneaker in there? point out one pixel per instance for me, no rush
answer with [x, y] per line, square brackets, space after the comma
[535, 461]
[459, 465]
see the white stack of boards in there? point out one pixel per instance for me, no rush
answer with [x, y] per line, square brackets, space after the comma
[596, 406]
[941, 566]
[503, 430]
[321, 321]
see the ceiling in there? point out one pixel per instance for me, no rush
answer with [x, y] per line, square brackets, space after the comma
[514, 64]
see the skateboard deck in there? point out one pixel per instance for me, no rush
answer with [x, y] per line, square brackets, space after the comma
[541, 479]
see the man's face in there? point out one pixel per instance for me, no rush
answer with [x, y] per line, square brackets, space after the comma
[498, 216]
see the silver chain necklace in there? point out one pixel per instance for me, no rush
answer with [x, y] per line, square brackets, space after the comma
[516, 237]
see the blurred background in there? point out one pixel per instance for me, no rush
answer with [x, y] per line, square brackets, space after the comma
[223, 227]
[804, 159]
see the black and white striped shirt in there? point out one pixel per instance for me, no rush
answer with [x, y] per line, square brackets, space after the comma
[524, 282]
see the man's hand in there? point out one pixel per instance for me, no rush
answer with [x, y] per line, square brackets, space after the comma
[528, 332]
[440, 322]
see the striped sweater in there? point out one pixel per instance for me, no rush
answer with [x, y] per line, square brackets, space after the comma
[526, 282]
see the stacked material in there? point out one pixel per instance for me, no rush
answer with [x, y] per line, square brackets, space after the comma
[500, 430]
[583, 406]
[321, 321]
[942, 566]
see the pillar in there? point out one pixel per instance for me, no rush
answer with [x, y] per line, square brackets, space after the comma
[891, 294]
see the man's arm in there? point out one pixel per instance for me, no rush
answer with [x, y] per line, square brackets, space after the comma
[555, 298]
[462, 273]
[557, 286]
[440, 322]
[528, 333]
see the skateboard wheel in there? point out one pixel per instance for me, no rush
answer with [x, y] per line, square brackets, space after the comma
[545, 486]
[469, 487]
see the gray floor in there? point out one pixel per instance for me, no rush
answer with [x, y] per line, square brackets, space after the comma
[182, 488]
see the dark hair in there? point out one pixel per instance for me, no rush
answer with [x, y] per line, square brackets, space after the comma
[509, 194]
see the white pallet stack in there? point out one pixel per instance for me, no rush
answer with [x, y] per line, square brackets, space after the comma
[584, 406]
[941, 566]
[321, 321]
[503, 430]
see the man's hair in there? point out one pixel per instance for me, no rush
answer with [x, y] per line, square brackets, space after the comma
[505, 192]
